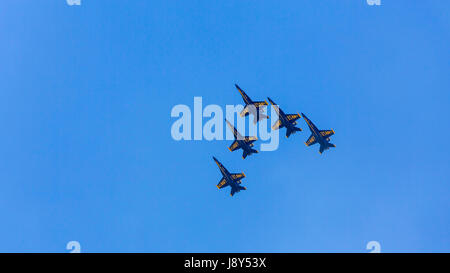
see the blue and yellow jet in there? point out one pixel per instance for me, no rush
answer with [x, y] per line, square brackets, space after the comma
[241, 142]
[287, 121]
[230, 179]
[252, 107]
[319, 136]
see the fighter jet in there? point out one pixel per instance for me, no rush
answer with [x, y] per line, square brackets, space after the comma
[240, 142]
[287, 121]
[252, 107]
[319, 136]
[230, 179]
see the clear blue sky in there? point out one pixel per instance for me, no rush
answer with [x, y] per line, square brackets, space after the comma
[86, 153]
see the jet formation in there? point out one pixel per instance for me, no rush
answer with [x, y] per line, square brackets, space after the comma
[288, 121]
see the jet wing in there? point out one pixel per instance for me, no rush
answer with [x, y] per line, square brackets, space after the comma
[234, 146]
[277, 125]
[222, 183]
[327, 133]
[293, 117]
[250, 139]
[237, 176]
[259, 103]
[311, 141]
